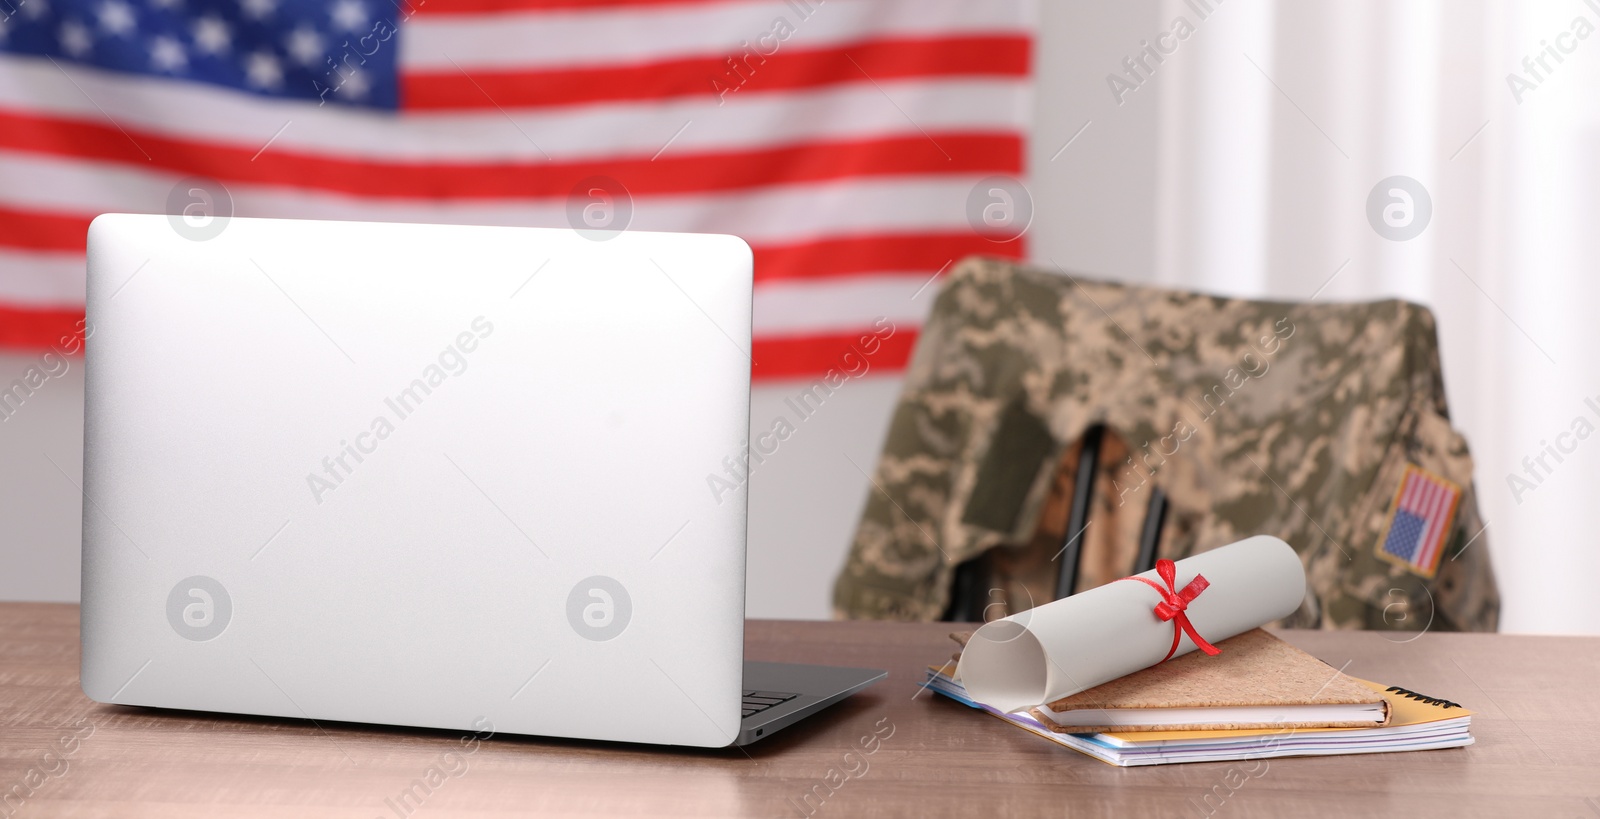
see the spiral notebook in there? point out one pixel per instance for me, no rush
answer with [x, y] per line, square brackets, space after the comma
[1417, 723]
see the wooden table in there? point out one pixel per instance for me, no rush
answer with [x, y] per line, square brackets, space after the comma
[1537, 751]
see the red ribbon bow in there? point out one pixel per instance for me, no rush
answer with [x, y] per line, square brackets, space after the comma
[1172, 605]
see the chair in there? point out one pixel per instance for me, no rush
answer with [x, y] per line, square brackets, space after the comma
[1055, 433]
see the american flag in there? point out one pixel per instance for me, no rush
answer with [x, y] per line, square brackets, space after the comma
[860, 146]
[1425, 506]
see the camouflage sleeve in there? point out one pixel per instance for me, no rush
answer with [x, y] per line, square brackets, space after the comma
[896, 569]
[966, 464]
[1450, 587]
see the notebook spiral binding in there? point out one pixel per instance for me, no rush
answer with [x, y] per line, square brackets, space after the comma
[1409, 694]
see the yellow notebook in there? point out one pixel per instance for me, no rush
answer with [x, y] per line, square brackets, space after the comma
[1406, 709]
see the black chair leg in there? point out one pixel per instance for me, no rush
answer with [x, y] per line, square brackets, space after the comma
[966, 598]
[1155, 517]
[1078, 517]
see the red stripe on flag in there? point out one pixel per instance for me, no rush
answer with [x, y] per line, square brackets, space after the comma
[874, 254]
[812, 356]
[879, 60]
[28, 230]
[943, 153]
[35, 329]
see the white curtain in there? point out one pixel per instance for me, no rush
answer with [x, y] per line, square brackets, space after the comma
[1276, 120]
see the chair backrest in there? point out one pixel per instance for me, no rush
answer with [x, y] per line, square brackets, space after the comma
[1317, 423]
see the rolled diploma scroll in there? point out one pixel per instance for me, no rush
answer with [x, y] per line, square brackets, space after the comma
[1078, 642]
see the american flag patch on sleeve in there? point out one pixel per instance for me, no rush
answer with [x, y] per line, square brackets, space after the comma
[1419, 521]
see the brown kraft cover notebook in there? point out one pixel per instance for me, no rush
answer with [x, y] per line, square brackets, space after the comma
[1254, 669]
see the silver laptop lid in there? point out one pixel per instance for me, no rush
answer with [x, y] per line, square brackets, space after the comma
[425, 475]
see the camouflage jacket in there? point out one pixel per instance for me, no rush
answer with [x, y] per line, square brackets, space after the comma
[1303, 421]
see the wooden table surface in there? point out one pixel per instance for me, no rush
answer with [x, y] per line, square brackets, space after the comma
[1537, 753]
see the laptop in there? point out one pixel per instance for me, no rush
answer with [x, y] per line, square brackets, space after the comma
[464, 478]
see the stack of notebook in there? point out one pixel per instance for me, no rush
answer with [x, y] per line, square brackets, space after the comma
[1260, 697]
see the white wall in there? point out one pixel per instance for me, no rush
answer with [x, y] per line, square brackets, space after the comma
[41, 508]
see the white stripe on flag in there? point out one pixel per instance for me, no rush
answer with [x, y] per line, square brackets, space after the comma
[624, 36]
[42, 280]
[841, 304]
[53, 280]
[195, 112]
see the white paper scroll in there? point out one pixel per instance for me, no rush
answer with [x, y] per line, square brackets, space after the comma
[1076, 643]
